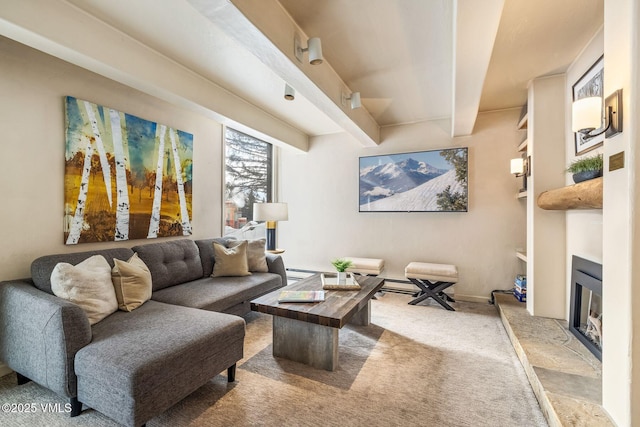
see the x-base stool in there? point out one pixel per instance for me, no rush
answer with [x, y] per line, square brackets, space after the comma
[432, 279]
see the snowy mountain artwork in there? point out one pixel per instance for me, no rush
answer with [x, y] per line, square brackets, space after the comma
[423, 181]
[125, 177]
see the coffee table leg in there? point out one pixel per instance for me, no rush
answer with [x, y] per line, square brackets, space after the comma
[308, 343]
[363, 317]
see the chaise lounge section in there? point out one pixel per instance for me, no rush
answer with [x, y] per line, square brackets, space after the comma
[132, 366]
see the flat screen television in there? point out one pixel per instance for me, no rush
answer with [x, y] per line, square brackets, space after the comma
[420, 181]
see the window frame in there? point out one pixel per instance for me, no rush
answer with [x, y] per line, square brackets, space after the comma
[272, 160]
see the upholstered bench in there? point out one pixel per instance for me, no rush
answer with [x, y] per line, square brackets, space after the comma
[432, 279]
[365, 266]
[139, 364]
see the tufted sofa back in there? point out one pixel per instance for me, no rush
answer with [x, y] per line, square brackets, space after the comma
[171, 262]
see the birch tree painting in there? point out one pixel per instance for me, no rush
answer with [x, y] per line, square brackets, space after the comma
[125, 177]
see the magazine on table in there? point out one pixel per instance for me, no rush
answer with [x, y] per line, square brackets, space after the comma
[301, 296]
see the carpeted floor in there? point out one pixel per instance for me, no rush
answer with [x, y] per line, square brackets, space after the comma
[413, 366]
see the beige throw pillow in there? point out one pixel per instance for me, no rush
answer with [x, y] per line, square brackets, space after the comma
[132, 283]
[230, 261]
[88, 285]
[256, 258]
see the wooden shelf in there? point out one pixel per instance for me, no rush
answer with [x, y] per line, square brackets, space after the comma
[523, 145]
[522, 124]
[521, 255]
[585, 195]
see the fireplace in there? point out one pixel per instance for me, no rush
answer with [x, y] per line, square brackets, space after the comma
[585, 315]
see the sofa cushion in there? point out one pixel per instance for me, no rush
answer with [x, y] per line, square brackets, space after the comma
[230, 261]
[219, 293]
[171, 262]
[256, 258]
[132, 282]
[142, 362]
[88, 285]
[41, 268]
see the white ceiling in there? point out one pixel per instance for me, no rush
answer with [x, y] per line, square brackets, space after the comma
[399, 54]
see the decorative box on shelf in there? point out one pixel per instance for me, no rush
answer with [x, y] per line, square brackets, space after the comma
[520, 297]
[520, 288]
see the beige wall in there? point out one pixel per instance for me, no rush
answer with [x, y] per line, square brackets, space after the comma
[321, 187]
[584, 227]
[33, 85]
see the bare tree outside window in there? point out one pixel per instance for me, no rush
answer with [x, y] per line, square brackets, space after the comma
[248, 180]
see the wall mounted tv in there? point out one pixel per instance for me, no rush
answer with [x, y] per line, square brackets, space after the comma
[421, 181]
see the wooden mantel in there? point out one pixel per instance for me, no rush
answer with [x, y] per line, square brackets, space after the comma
[585, 195]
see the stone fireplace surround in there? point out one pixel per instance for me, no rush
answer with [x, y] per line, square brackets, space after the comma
[565, 377]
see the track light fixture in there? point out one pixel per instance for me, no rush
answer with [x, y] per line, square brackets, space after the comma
[314, 47]
[289, 92]
[354, 98]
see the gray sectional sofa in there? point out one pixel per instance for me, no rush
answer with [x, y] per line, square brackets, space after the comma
[132, 366]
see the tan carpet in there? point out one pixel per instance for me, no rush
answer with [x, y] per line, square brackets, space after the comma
[415, 365]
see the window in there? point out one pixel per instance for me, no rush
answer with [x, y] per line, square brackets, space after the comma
[248, 180]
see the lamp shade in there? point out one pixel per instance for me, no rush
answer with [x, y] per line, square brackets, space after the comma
[586, 114]
[517, 166]
[270, 212]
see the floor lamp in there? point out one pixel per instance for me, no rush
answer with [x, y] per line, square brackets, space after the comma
[270, 212]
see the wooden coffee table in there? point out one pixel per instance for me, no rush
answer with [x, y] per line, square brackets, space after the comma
[308, 332]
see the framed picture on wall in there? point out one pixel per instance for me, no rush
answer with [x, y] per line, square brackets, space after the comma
[422, 181]
[590, 84]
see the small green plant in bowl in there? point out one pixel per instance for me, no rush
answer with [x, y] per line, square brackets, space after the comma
[341, 265]
[586, 168]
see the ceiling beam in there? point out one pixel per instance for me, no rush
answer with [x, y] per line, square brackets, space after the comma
[475, 27]
[73, 35]
[265, 29]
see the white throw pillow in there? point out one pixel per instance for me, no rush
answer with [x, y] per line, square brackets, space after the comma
[87, 284]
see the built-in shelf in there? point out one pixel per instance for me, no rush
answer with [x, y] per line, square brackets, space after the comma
[521, 255]
[522, 194]
[523, 146]
[522, 124]
[585, 195]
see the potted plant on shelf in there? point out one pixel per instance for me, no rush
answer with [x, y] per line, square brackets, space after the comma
[586, 168]
[341, 266]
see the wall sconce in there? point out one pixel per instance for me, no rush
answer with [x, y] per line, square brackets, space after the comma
[586, 116]
[270, 212]
[289, 92]
[314, 47]
[354, 98]
[520, 168]
[517, 166]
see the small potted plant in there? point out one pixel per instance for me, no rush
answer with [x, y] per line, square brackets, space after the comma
[586, 168]
[341, 266]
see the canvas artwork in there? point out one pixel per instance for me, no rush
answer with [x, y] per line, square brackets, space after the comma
[424, 181]
[125, 177]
